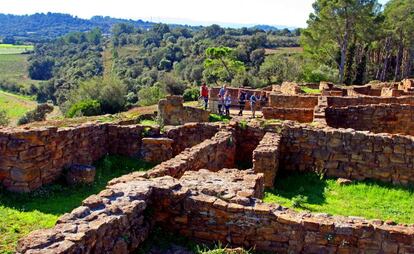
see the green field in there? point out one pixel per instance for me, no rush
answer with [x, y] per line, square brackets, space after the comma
[370, 200]
[23, 213]
[15, 105]
[7, 49]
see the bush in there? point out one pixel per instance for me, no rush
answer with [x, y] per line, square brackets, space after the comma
[191, 94]
[4, 119]
[36, 115]
[150, 95]
[110, 92]
[84, 108]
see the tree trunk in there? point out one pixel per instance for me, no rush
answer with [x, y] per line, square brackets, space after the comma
[398, 60]
[387, 56]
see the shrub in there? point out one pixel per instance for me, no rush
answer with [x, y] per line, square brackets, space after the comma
[150, 95]
[191, 94]
[4, 119]
[299, 201]
[84, 108]
[36, 115]
[110, 92]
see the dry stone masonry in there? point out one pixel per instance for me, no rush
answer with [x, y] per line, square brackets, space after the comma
[196, 190]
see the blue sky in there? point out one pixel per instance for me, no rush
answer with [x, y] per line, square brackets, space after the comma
[290, 13]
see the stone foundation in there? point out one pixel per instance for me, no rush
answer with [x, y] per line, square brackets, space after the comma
[173, 112]
[380, 118]
[156, 150]
[211, 207]
[266, 158]
[292, 101]
[302, 115]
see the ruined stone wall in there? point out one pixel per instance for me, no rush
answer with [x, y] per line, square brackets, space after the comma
[248, 138]
[34, 157]
[172, 112]
[292, 101]
[389, 118]
[334, 101]
[363, 90]
[213, 154]
[266, 158]
[302, 115]
[348, 153]
[211, 207]
[190, 134]
[290, 88]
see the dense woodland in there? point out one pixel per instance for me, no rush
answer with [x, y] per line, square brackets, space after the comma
[346, 41]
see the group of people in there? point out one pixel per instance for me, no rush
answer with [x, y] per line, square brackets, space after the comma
[225, 100]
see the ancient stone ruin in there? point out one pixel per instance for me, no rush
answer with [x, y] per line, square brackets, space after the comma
[198, 190]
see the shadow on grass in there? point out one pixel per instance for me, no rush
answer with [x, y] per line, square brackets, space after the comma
[309, 185]
[60, 198]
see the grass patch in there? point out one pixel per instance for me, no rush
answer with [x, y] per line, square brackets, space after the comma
[22, 213]
[218, 118]
[16, 106]
[309, 90]
[6, 49]
[148, 122]
[368, 199]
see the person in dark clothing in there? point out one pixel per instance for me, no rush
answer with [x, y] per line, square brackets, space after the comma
[242, 101]
[263, 100]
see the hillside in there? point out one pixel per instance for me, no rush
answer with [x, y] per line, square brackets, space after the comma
[16, 106]
[41, 27]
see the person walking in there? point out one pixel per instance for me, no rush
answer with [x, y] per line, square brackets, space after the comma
[221, 94]
[227, 102]
[204, 94]
[253, 100]
[242, 101]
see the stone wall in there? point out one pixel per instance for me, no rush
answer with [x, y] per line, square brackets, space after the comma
[172, 112]
[266, 158]
[290, 88]
[206, 206]
[347, 153]
[34, 157]
[338, 102]
[292, 101]
[213, 154]
[389, 118]
[302, 115]
[189, 134]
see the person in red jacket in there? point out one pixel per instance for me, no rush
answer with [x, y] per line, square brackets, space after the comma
[204, 94]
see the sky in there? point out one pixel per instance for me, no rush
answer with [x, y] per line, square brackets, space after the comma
[288, 13]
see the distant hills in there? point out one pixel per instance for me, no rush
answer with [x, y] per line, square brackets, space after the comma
[41, 27]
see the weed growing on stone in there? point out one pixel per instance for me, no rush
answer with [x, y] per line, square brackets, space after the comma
[218, 118]
[22, 213]
[368, 199]
[243, 124]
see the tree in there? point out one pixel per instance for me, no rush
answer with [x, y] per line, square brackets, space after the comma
[399, 19]
[220, 65]
[41, 69]
[333, 25]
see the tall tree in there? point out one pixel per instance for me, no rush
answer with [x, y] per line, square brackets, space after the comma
[399, 19]
[334, 24]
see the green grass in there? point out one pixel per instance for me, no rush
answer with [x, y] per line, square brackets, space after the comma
[23, 213]
[368, 199]
[218, 118]
[6, 49]
[147, 122]
[309, 90]
[15, 105]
